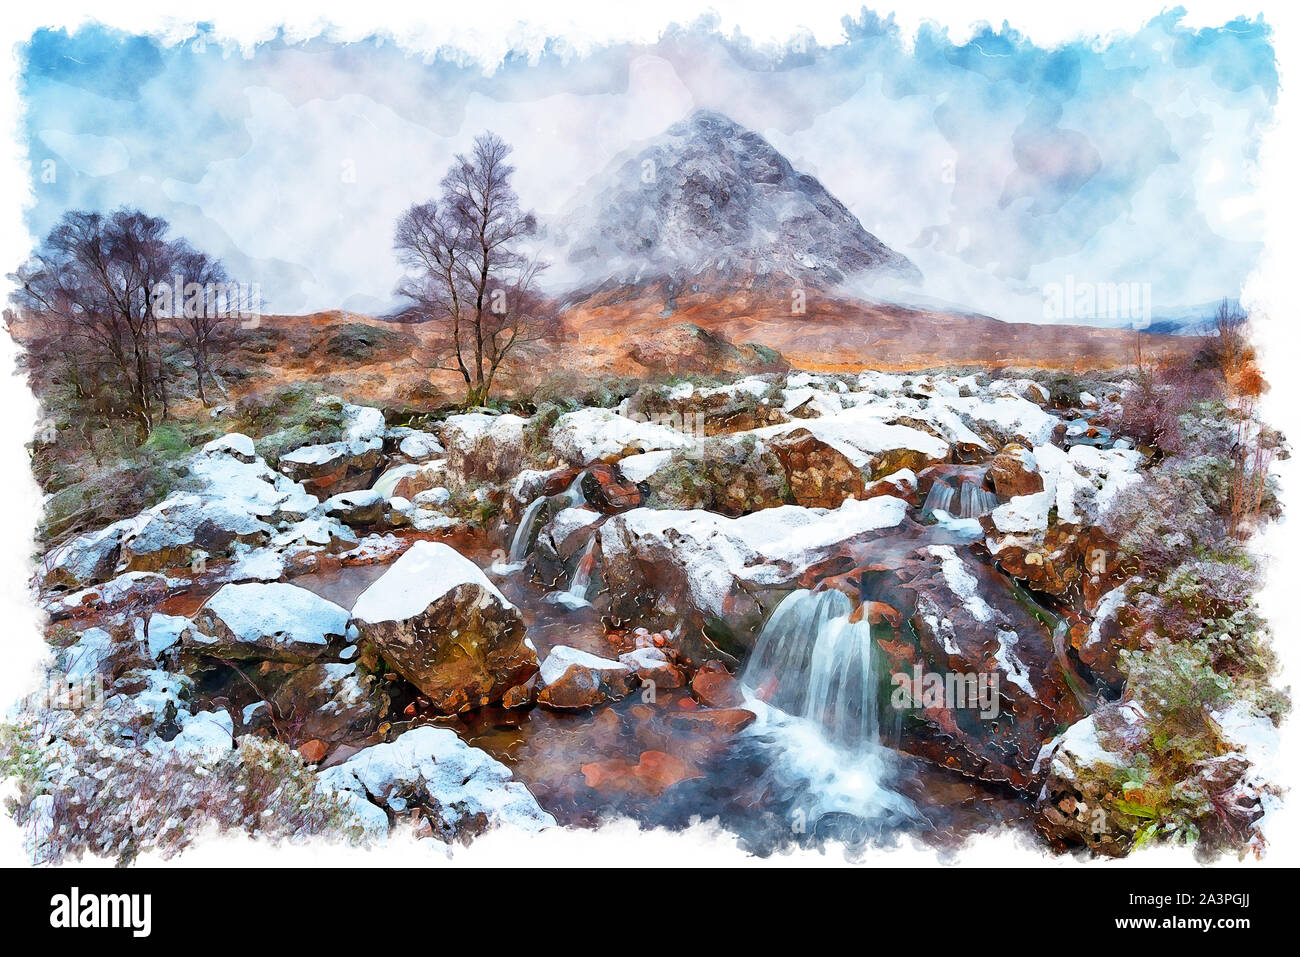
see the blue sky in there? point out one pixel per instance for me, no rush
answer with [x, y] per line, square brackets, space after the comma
[998, 166]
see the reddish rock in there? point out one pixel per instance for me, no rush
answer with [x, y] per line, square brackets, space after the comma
[1014, 471]
[819, 475]
[712, 721]
[607, 491]
[716, 687]
[654, 773]
[313, 751]
[571, 679]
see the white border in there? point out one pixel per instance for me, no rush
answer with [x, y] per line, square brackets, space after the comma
[488, 28]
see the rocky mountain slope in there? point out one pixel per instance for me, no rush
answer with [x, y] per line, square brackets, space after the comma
[710, 198]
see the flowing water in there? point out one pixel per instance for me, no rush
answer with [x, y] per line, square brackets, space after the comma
[809, 769]
[968, 501]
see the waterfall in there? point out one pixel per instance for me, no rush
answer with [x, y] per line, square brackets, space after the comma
[975, 501]
[972, 500]
[582, 574]
[524, 533]
[939, 499]
[523, 540]
[812, 662]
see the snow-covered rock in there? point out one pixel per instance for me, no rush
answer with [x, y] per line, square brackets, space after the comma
[462, 784]
[277, 621]
[589, 435]
[446, 628]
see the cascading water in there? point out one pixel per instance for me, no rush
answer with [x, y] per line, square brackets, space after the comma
[523, 540]
[582, 574]
[976, 501]
[812, 662]
[971, 501]
[939, 499]
[811, 680]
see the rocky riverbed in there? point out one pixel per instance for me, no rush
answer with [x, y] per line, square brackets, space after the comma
[812, 607]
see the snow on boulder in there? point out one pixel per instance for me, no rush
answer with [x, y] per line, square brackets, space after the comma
[707, 566]
[446, 628]
[571, 679]
[868, 444]
[638, 468]
[590, 435]
[1006, 418]
[87, 559]
[236, 444]
[482, 446]
[463, 786]
[274, 621]
[421, 446]
[362, 507]
[168, 535]
[333, 467]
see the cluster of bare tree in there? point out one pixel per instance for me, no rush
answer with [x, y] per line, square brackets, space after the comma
[466, 273]
[93, 289]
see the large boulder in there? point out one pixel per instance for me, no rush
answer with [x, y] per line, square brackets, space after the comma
[87, 559]
[731, 474]
[967, 624]
[1014, 471]
[463, 789]
[601, 435]
[483, 447]
[273, 621]
[719, 574]
[169, 534]
[334, 467]
[835, 456]
[441, 624]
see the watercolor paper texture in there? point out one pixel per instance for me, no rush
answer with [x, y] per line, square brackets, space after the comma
[841, 442]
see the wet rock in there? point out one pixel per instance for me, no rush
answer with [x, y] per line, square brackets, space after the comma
[998, 690]
[654, 773]
[571, 679]
[715, 686]
[333, 467]
[653, 666]
[711, 722]
[607, 491]
[520, 696]
[438, 620]
[1014, 471]
[266, 622]
[330, 701]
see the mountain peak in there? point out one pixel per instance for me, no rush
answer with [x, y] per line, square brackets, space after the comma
[709, 198]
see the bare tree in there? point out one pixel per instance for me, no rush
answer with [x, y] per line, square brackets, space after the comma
[91, 286]
[1225, 341]
[464, 270]
[202, 311]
